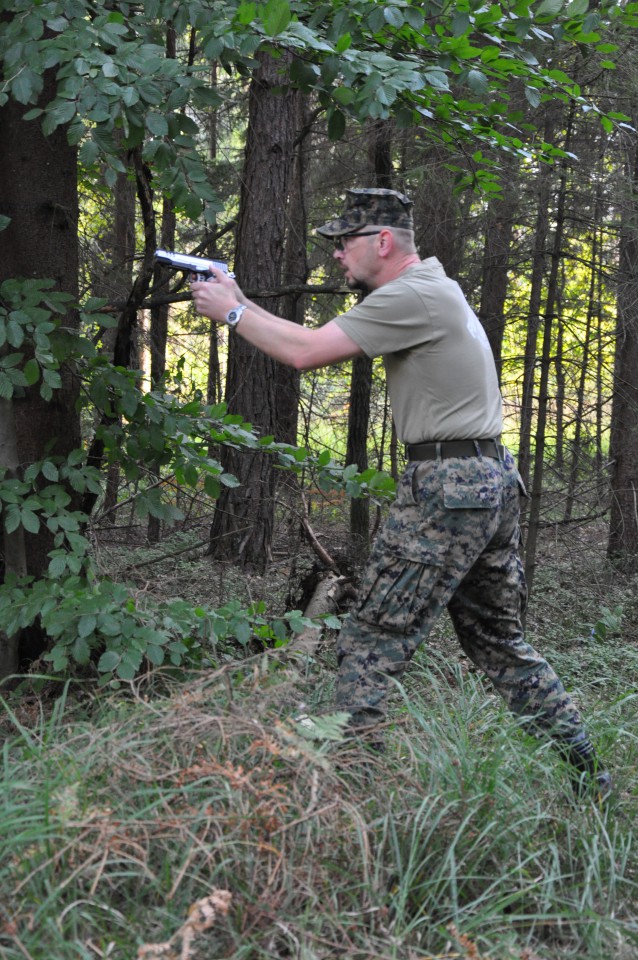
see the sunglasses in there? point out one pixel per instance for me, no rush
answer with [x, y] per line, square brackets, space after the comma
[340, 242]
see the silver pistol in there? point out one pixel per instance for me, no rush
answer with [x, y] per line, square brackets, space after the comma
[196, 265]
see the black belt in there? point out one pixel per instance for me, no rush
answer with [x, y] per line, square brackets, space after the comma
[454, 448]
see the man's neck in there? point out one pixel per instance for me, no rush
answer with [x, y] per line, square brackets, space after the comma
[395, 268]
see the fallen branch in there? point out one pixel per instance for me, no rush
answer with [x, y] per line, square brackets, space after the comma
[328, 594]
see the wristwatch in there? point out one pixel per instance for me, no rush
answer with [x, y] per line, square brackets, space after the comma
[234, 316]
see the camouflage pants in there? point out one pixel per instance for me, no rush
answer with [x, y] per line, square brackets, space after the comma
[451, 540]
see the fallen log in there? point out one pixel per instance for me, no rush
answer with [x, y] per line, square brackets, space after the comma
[329, 593]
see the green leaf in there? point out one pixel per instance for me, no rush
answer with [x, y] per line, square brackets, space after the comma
[243, 632]
[11, 518]
[212, 486]
[109, 625]
[50, 471]
[549, 8]
[25, 85]
[415, 17]
[246, 13]
[336, 124]
[177, 99]
[15, 333]
[157, 124]
[126, 670]
[57, 566]
[577, 8]
[477, 82]
[6, 387]
[155, 655]
[332, 623]
[303, 74]
[30, 521]
[81, 651]
[393, 16]
[89, 153]
[533, 96]
[86, 625]
[108, 661]
[229, 480]
[276, 17]
[31, 371]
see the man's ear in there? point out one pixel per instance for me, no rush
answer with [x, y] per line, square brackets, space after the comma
[386, 243]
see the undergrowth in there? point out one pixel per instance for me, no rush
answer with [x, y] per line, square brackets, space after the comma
[226, 816]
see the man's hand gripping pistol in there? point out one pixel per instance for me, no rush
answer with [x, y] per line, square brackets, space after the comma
[193, 265]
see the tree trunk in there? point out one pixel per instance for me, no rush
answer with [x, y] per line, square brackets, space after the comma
[14, 554]
[112, 277]
[38, 192]
[242, 527]
[559, 372]
[159, 337]
[496, 253]
[214, 390]
[295, 272]
[622, 546]
[578, 449]
[160, 313]
[552, 301]
[541, 230]
[357, 452]
[379, 135]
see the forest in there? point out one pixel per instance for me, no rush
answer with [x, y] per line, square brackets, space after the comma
[184, 521]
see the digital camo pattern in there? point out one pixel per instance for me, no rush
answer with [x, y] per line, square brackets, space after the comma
[451, 539]
[370, 206]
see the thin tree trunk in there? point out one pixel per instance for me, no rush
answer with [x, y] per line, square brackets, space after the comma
[551, 302]
[622, 546]
[379, 136]
[115, 283]
[496, 254]
[159, 337]
[214, 388]
[125, 349]
[160, 313]
[593, 308]
[357, 452]
[295, 272]
[559, 371]
[545, 180]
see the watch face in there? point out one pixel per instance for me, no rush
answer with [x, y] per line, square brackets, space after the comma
[233, 316]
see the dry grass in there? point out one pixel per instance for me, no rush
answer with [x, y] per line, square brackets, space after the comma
[203, 821]
[200, 820]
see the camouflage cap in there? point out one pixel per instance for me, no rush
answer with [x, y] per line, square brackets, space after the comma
[370, 206]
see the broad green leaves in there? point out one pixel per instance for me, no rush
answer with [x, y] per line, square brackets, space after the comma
[30, 313]
[117, 89]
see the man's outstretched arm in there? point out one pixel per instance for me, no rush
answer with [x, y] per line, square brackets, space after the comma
[290, 343]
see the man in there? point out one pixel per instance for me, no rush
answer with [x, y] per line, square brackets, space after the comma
[452, 535]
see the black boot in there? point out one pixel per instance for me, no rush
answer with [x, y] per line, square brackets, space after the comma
[589, 779]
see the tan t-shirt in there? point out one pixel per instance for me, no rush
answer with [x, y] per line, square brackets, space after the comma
[441, 374]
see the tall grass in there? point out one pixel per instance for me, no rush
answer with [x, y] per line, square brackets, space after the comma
[118, 816]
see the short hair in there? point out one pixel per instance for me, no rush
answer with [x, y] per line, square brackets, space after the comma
[404, 238]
